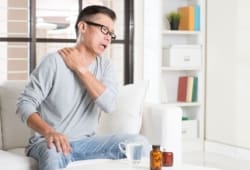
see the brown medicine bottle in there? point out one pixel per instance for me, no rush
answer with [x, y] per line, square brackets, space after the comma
[167, 158]
[155, 158]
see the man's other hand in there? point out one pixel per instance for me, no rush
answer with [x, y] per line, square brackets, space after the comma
[59, 140]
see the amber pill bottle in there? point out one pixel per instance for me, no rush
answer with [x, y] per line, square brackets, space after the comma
[155, 158]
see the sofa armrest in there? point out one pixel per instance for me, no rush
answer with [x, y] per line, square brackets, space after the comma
[162, 126]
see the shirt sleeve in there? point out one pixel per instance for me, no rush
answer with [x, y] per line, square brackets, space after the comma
[107, 100]
[37, 89]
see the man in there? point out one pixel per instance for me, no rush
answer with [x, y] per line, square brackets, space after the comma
[65, 92]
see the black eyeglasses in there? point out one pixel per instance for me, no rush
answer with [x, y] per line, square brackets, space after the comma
[104, 29]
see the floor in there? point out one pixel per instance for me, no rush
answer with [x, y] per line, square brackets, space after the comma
[213, 160]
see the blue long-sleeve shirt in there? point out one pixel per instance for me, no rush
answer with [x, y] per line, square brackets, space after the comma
[62, 100]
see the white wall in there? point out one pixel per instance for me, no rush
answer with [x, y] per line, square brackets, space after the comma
[228, 70]
[152, 48]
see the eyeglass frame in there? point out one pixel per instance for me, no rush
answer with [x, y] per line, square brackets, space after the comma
[103, 28]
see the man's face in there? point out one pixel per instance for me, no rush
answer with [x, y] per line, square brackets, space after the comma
[98, 32]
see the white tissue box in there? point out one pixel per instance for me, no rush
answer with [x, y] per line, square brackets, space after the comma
[182, 56]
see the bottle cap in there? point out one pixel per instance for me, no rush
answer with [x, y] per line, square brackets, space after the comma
[156, 146]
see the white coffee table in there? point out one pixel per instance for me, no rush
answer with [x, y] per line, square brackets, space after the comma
[105, 164]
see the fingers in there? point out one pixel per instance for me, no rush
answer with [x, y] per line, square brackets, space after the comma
[65, 147]
[67, 54]
[50, 142]
[60, 142]
[64, 52]
[58, 145]
[72, 58]
[62, 145]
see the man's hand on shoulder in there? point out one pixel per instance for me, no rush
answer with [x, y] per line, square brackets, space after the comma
[78, 63]
[59, 140]
[73, 58]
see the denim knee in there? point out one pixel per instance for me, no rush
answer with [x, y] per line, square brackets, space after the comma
[49, 159]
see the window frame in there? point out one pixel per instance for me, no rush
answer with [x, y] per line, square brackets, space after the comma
[128, 40]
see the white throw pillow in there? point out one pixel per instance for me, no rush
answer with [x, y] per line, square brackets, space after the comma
[127, 117]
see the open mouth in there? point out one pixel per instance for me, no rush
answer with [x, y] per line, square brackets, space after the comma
[104, 46]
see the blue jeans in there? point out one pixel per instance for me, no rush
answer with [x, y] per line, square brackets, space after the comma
[94, 147]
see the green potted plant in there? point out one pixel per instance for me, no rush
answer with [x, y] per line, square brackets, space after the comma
[174, 20]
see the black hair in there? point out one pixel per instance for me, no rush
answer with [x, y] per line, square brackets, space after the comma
[92, 10]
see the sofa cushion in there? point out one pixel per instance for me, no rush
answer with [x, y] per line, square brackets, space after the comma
[127, 117]
[10, 161]
[15, 133]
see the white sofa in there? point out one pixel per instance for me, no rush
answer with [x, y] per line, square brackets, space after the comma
[14, 134]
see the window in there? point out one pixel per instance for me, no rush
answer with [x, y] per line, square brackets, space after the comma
[33, 28]
[14, 36]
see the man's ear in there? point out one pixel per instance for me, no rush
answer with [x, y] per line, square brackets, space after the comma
[82, 26]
